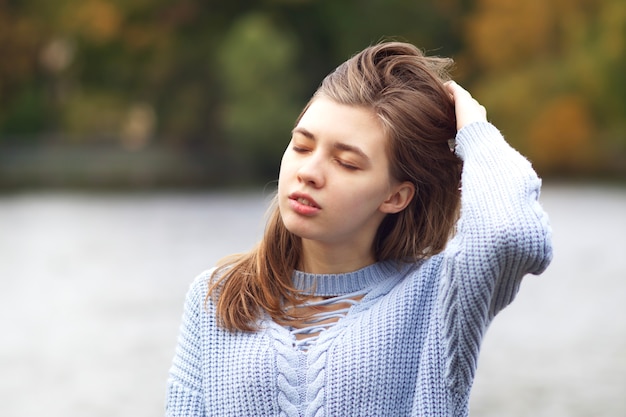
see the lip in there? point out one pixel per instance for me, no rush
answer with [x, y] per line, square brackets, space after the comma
[295, 201]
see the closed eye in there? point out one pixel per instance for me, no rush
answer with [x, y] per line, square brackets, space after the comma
[299, 149]
[347, 165]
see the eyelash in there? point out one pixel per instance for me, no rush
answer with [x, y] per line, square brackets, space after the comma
[345, 165]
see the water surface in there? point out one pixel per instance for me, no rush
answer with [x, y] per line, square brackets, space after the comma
[92, 287]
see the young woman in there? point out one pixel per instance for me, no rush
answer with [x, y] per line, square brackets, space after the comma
[390, 248]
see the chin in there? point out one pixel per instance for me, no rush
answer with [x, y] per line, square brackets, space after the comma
[297, 229]
[300, 230]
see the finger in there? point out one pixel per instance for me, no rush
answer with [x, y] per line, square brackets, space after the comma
[455, 89]
[449, 86]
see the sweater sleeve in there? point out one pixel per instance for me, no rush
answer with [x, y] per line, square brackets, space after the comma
[503, 232]
[502, 235]
[184, 387]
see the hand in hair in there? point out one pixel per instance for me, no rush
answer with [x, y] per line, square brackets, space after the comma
[467, 109]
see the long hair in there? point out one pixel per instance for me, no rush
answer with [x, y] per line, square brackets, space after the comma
[406, 90]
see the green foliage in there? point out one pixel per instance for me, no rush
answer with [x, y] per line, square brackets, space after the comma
[260, 86]
[27, 115]
[227, 79]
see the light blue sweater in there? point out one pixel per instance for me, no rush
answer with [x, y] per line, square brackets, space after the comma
[410, 347]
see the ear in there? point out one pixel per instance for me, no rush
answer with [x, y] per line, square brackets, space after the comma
[400, 197]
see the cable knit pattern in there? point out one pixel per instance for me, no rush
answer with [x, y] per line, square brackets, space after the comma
[410, 346]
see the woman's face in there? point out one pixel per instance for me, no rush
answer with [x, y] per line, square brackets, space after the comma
[334, 185]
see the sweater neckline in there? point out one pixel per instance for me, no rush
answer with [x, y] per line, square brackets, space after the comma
[332, 285]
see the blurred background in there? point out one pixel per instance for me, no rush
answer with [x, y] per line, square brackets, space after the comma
[136, 93]
[140, 141]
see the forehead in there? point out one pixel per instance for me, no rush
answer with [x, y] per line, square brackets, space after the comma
[352, 125]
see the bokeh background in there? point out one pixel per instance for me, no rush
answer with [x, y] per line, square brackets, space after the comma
[136, 93]
[140, 142]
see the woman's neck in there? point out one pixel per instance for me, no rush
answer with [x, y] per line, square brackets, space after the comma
[319, 258]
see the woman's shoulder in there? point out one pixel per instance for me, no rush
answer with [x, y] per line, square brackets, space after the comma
[422, 273]
[199, 287]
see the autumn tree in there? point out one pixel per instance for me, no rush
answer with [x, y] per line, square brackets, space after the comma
[551, 74]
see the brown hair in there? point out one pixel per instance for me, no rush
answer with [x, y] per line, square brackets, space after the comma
[406, 90]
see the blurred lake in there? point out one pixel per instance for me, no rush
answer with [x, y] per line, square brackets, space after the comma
[92, 289]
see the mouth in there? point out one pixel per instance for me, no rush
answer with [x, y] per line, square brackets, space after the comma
[304, 200]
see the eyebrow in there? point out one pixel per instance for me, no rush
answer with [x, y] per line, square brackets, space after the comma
[337, 145]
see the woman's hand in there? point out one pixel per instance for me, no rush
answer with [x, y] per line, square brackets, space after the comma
[467, 109]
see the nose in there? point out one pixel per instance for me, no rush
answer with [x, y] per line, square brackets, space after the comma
[311, 172]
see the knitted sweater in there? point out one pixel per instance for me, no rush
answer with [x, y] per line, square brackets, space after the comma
[410, 346]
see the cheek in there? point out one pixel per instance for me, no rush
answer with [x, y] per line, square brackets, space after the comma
[364, 198]
[285, 169]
